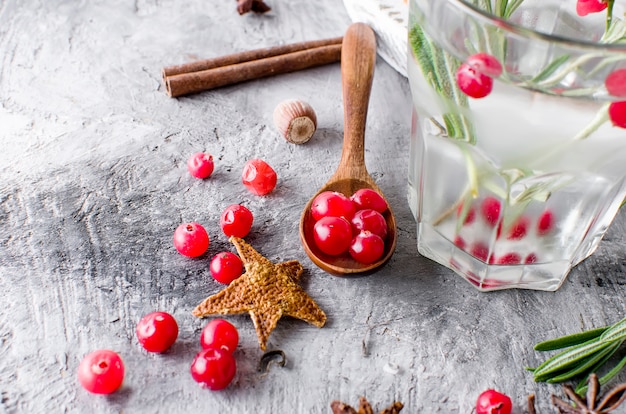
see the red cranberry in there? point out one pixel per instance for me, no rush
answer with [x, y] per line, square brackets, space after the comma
[368, 198]
[490, 209]
[236, 220]
[509, 259]
[258, 177]
[367, 247]
[101, 372]
[459, 242]
[545, 223]
[473, 83]
[191, 239]
[157, 331]
[493, 402]
[370, 220]
[200, 165]
[616, 83]
[531, 258]
[213, 368]
[220, 334]
[519, 228]
[332, 235]
[480, 251]
[617, 114]
[332, 204]
[485, 64]
[469, 218]
[584, 7]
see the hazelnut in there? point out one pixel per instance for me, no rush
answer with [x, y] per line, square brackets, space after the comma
[296, 120]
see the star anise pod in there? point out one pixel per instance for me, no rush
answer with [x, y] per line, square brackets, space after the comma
[591, 404]
[257, 6]
[364, 408]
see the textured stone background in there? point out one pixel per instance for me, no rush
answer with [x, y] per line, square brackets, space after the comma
[93, 183]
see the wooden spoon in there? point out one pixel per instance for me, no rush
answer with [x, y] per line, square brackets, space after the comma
[358, 56]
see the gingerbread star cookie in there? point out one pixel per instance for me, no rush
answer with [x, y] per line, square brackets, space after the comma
[267, 291]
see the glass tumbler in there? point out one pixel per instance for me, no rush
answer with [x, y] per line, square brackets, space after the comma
[518, 145]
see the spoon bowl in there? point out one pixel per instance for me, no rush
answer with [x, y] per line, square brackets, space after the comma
[358, 56]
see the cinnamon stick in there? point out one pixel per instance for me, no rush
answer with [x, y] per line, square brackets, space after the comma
[246, 56]
[247, 66]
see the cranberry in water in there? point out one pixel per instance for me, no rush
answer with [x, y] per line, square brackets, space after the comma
[584, 7]
[470, 215]
[157, 331]
[509, 259]
[460, 242]
[485, 64]
[519, 228]
[616, 83]
[545, 223]
[531, 258]
[490, 209]
[473, 83]
[617, 114]
[101, 372]
[480, 251]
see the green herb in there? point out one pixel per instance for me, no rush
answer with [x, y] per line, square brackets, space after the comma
[439, 70]
[570, 340]
[583, 353]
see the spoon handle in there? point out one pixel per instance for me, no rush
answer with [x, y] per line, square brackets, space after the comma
[358, 56]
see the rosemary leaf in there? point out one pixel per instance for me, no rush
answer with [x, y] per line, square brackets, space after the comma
[587, 365]
[581, 388]
[512, 7]
[568, 358]
[501, 7]
[616, 332]
[550, 69]
[439, 68]
[570, 340]
[601, 117]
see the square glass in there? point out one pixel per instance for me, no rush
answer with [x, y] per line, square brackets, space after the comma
[518, 144]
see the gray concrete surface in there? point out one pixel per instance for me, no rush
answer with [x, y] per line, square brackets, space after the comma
[93, 183]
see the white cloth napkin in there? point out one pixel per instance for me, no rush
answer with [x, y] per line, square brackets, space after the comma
[389, 19]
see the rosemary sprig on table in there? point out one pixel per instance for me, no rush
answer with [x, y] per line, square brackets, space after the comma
[583, 354]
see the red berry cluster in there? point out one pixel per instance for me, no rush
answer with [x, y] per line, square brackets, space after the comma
[475, 76]
[350, 224]
[214, 367]
[192, 239]
[257, 175]
[102, 371]
[488, 213]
